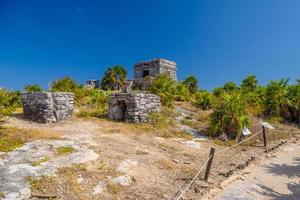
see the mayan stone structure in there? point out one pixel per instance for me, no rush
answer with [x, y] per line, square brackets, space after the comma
[133, 107]
[92, 84]
[154, 68]
[47, 107]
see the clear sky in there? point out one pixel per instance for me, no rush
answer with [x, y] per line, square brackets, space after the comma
[217, 41]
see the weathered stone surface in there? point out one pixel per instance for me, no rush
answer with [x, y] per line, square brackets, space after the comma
[155, 67]
[133, 107]
[45, 107]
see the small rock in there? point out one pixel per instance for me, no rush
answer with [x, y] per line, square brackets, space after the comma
[176, 161]
[98, 189]
[122, 180]
[196, 190]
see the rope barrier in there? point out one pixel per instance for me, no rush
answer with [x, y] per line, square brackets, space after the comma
[202, 167]
[219, 152]
[273, 130]
[192, 181]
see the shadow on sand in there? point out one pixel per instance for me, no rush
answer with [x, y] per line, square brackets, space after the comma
[290, 171]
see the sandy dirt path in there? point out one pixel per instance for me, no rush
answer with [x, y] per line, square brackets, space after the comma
[277, 178]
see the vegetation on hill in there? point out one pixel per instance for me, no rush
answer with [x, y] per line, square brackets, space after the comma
[231, 105]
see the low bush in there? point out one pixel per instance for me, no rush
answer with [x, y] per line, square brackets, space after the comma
[229, 116]
[9, 101]
[33, 88]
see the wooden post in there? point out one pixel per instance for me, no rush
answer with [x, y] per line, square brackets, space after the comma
[211, 155]
[264, 136]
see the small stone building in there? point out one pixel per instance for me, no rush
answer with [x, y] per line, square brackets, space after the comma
[154, 68]
[133, 107]
[46, 107]
[93, 83]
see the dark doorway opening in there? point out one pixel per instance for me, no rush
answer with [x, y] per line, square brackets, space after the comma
[123, 107]
[145, 73]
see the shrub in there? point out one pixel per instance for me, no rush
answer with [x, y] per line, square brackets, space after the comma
[204, 100]
[8, 102]
[182, 92]
[229, 116]
[276, 100]
[33, 88]
[65, 84]
[164, 86]
[68, 84]
[98, 101]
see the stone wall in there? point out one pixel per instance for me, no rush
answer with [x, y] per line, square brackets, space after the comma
[155, 67]
[133, 107]
[46, 107]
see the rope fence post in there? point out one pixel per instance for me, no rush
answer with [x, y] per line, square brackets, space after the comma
[264, 136]
[211, 157]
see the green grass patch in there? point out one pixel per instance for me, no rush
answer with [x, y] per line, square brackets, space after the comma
[101, 165]
[2, 195]
[224, 143]
[10, 143]
[33, 182]
[42, 160]
[64, 150]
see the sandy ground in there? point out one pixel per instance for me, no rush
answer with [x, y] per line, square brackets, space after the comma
[277, 178]
[131, 163]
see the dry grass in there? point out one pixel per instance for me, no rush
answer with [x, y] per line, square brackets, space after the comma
[114, 188]
[12, 137]
[166, 164]
[28, 134]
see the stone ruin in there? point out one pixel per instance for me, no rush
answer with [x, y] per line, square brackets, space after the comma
[155, 67]
[92, 83]
[133, 107]
[47, 107]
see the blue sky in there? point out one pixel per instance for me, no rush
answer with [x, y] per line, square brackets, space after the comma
[215, 40]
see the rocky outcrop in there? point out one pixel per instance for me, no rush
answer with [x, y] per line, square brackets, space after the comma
[46, 107]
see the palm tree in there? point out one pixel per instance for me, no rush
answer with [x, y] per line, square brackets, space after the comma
[114, 78]
[277, 101]
[192, 83]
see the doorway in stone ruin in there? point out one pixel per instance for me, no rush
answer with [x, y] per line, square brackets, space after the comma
[123, 108]
[145, 73]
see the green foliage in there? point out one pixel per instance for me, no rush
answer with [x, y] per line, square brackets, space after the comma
[192, 83]
[96, 103]
[276, 99]
[165, 87]
[64, 150]
[10, 143]
[33, 88]
[114, 78]
[8, 102]
[169, 90]
[65, 84]
[229, 116]
[182, 92]
[204, 100]
[68, 84]
[249, 84]
[228, 87]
